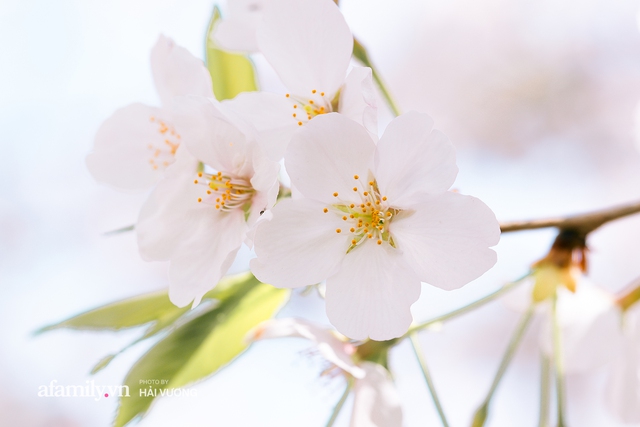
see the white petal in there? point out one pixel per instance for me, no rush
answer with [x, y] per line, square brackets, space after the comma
[177, 72]
[299, 246]
[270, 115]
[126, 144]
[413, 160]
[358, 99]
[623, 387]
[372, 293]
[324, 156]
[238, 31]
[205, 255]
[330, 346]
[170, 214]
[235, 35]
[211, 136]
[376, 400]
[446, 241]
[589, 327]
[308, 43]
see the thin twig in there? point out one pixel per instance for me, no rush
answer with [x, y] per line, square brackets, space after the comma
[340, 404]
[583, 223]
[545, 390]
[558, 361]
[427, 377]
[469, 307]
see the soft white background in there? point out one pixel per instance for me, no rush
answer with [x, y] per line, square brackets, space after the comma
[538, 96]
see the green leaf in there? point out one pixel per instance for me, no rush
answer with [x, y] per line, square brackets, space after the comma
[136, 311]
[142, 309]
[104, 362]
[231, 73]
[202, 346]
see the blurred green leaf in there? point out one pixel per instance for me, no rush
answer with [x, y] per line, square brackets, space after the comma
[136, 311]
[200, 347]
[231, 73]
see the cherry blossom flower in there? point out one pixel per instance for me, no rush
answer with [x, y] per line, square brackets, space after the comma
[137, 143]
[309, 45]
[238, 31]
[623, 387]
[374, 221]
[587, 316]
[376, 400]
[198, 218]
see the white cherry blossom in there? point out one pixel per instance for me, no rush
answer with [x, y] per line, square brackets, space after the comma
[137, 143]
[198, 218]
[623, 388]
[587, 318]
[237, 31]
[309, 45]
[374, 221]
[376, 401]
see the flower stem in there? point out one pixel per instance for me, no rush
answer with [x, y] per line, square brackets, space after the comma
[360, 52]
[340, 404]
[545, 391]
[508, 356]
[427, 377]
[559, 365]
[469, 307]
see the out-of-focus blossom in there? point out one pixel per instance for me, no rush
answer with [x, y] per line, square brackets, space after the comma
[376, 400]
[623, 388]
[197, 218]
[587, 316]
[238, 30]
[374, 221]
[137, 143]
[309, 45]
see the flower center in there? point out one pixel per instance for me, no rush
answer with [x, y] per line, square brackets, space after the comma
[163, 153]
[305, 109]
[368, 216]
[224, 191]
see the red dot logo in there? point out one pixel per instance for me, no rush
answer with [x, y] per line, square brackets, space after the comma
[106, 395]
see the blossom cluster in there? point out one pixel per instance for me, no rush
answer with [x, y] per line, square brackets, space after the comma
[305, 179]
[372, 216]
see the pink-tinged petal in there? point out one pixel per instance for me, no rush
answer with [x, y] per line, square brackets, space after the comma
[308, 43]
[623, 387]
[330, 346]
[235, 35]
[358, 99]
[299, 246]
[177, 72]
[132, 148]
[376, 400]
[589, 327]
[446, 240]
[326, 154]
[238, 31]
[205, 255]
[170, 214]
[414, 160]
[272, 117]
[209, 135]
[372, 293]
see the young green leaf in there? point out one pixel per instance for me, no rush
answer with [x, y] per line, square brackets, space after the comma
[200, 347]
[127, 313]
[231, 73]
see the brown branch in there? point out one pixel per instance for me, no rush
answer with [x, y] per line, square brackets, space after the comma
[583, 224]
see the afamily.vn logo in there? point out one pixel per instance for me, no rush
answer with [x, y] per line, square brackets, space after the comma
[89, 390]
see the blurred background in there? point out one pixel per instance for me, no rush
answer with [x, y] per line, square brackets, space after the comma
[539, 97]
